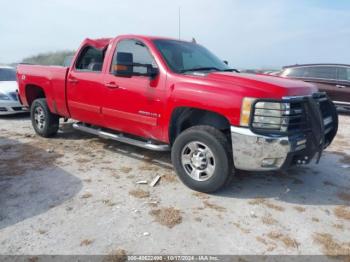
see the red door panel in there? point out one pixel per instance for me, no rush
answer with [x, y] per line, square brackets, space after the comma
[133, 107]
[85, 96]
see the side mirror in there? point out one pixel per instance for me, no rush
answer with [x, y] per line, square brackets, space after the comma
[124, 65]
[152, 72]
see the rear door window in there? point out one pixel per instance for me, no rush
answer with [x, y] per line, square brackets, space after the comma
[90, 60]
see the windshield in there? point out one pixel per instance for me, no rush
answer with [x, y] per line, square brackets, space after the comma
[7, 74]
[184, 57]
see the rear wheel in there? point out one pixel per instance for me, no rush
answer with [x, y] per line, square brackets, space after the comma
[44, 122]
[202, 158]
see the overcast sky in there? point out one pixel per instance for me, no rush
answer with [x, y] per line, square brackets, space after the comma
[249, 33]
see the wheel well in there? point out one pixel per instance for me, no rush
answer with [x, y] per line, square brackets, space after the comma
[33, 92]
[185, 117]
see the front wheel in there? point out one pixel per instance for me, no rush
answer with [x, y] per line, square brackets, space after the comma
[44, 122]
[202, 158]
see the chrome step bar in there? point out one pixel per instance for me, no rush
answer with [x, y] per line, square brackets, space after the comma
[121, 138]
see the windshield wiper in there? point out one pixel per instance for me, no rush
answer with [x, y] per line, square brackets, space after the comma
[209, 68]
[230, 70]
[200, 69]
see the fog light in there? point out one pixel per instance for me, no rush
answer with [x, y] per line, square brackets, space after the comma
[269, 162]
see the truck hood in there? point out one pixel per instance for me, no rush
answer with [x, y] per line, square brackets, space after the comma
[272, 86]
[8, 86]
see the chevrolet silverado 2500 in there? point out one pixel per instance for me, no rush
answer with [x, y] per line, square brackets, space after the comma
[165, 94]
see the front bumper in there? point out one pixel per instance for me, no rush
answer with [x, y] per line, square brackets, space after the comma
[253, 152]
[11, 107]
[259, 150]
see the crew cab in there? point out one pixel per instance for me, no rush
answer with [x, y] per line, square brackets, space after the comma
[165, 94]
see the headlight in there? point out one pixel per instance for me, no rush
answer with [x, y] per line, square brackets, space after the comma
[4, 97]
[271, 115]
[266, 115]
[245, 110]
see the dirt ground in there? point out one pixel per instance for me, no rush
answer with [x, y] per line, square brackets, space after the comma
[78, 194]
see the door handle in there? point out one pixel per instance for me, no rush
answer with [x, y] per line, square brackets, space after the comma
[340, 86]
[73, 80]
[111, 85]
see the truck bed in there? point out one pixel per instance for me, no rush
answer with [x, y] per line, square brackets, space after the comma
[53, 81]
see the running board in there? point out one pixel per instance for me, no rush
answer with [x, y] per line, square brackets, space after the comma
[121, 138]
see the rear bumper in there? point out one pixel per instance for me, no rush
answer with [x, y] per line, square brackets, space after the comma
[253, 152]
[11, 107]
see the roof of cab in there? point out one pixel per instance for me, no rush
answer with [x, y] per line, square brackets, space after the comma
[103, 42]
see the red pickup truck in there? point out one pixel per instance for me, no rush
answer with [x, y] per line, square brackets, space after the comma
[163, 94]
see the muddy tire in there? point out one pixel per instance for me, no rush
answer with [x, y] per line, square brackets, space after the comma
[202, 158]
[44, 122]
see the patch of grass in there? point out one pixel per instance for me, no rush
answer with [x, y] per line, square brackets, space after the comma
[262, 240]
[125, 169]
[169, 178]
[214, 206]
[200, 195]
[148, 167]
[256, 201]
[265, 202]
[342, 212]
[271, 246]
[344, 196]
[83, 160]
[285, 239]
[108, 202]
[86, 195]
[244, 230]
[86, 242]
[139, 193]
[273, 206]
[299, 209]
[118, 255]
[315, 219]
[168, 216]
[269, 220]
[330, 246]
[338, 226]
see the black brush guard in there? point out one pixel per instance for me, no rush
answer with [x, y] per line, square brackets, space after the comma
[311, 124]
[319, 136]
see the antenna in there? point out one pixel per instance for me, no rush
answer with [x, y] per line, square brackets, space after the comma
[179, 23]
